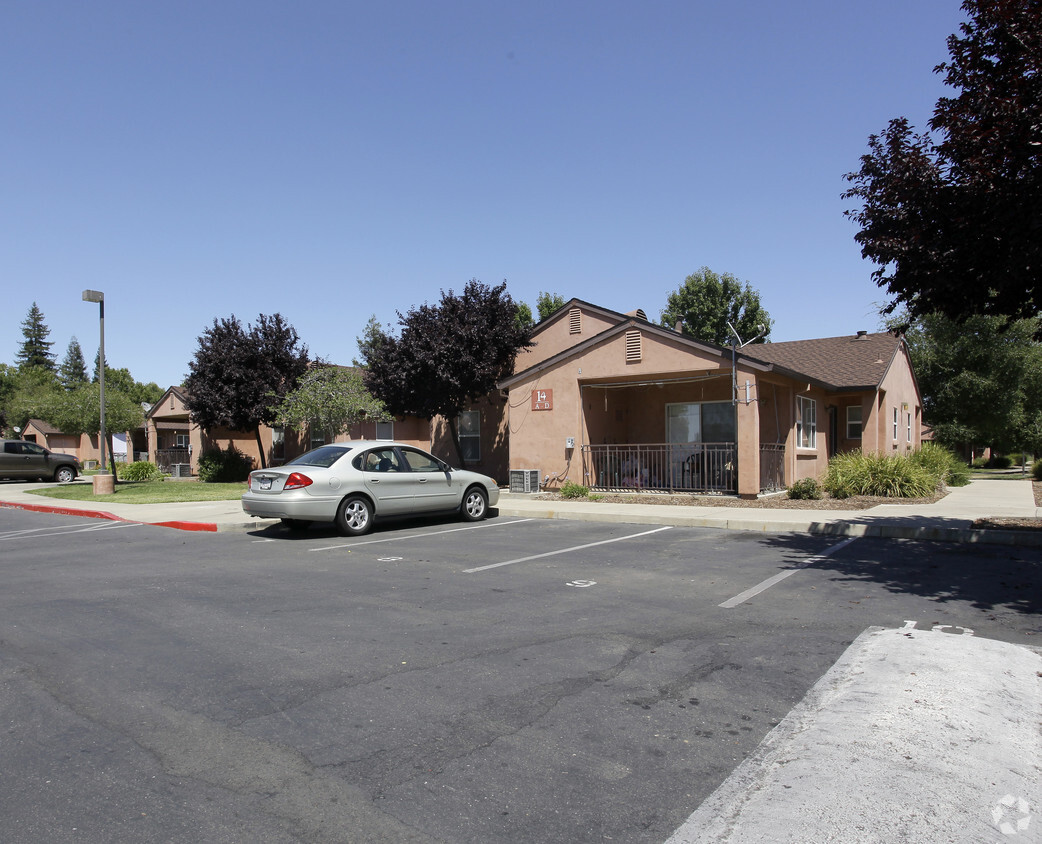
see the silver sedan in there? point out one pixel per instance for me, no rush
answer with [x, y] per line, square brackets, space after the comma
[352, 483]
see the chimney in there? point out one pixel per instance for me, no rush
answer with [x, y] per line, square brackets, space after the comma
[861, 334]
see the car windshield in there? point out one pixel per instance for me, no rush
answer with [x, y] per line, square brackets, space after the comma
[324, 456]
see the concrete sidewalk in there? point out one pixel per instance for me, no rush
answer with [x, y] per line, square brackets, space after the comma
[913, 735]
[949, 519]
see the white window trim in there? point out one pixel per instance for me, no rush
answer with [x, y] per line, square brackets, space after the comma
[909, 415]
[801, 402]
[897, 421]
[860, 421]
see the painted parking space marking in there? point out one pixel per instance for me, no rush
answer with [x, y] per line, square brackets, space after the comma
[66, 529]
[403, 536]
[763, 586]
[566, 550]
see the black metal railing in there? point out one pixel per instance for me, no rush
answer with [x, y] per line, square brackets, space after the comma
[772, 467]
[167, 458]
[662, 467]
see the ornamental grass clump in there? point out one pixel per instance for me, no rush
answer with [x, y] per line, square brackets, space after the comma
[570, 489]
[943, 464]
[889, 475]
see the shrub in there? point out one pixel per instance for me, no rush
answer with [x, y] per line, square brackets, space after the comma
[570, 489]
[1000, 462]
[806, 489]
[943, 464]
[892, 476]
[978, 462]
[224, 467]
[139, 470]
[1036, 470]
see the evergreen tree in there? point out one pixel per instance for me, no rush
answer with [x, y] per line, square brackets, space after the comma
[73, 370]
[35, 350]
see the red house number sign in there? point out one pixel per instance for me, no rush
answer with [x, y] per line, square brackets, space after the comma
[542, 399]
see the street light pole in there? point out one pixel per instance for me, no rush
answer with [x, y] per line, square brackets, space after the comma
[99, 297]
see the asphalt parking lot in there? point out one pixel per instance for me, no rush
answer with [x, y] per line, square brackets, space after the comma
[513, 680]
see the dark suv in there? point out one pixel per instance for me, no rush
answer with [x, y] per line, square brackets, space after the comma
[21, 459]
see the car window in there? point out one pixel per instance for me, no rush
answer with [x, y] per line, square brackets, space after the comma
[383, 460]
[323, 456]
[32, 448]
[420, 461]
[12, 448]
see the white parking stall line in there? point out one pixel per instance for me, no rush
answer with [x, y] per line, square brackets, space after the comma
[64, 530]
[763, 586]
[567, 550]
[404, 536]
[14, 534]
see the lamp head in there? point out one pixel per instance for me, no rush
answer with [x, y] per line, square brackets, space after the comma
[93, 296]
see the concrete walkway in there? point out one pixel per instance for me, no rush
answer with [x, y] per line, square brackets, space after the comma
[949, 519]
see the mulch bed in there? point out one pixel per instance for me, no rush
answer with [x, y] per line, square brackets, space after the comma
[862, 502]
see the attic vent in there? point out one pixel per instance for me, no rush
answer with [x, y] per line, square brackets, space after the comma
[633, 347]
[575, 323]
[639, 314]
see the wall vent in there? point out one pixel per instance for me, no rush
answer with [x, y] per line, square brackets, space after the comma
[633, 347]
[575, 321]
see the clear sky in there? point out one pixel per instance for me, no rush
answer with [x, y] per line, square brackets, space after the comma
[331, 160]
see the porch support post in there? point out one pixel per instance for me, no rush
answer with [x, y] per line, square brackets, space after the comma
[748, 444]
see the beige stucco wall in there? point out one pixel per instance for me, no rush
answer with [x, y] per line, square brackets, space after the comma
[555, 335]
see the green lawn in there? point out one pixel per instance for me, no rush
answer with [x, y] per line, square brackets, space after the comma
[149, 492]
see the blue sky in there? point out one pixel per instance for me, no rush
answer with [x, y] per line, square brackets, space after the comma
[335, 160]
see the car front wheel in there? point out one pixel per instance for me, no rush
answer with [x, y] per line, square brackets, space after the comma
[65, 475]
[475, 505]
[355, 516]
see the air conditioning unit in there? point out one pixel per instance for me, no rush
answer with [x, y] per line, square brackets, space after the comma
[524, 480]
[182, 470]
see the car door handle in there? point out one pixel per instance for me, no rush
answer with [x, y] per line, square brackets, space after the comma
[423, 480]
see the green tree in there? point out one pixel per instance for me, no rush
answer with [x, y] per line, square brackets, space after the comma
[79, 412]
[446, 356]
[524, 318]
[329, 399]
[238, 375]
[980, 379]
[548, 304]
[706, 302]
[951, 217]
[72, 372]
[29, 394]
[121, 379]
[35, 350]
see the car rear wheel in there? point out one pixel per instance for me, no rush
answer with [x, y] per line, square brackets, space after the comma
[475, 504]
[355, 516]
[64, 475]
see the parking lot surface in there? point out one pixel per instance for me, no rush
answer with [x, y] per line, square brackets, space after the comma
[513, 680]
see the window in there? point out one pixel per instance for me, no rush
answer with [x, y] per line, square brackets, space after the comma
[710, 422]
[317, 438]
[385, 430]
[180, 440]
[854, 422]
[895, 423]
[469, 426]
[278, 443]
[806, 422]
[909, 420]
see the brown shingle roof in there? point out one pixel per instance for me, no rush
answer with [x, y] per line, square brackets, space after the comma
[840, 363]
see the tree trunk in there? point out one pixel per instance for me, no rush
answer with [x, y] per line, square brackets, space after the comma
[260, 449]
[451, 420]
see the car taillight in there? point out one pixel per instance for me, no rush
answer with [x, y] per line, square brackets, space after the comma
[297, 481]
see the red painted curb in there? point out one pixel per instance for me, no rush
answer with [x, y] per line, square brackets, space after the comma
[64, 511]
[101, 514]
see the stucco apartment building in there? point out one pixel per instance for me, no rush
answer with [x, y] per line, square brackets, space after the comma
[614, 401]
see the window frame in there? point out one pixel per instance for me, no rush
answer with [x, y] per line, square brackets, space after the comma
[860, 421]
[803, 424]
[471, 433]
